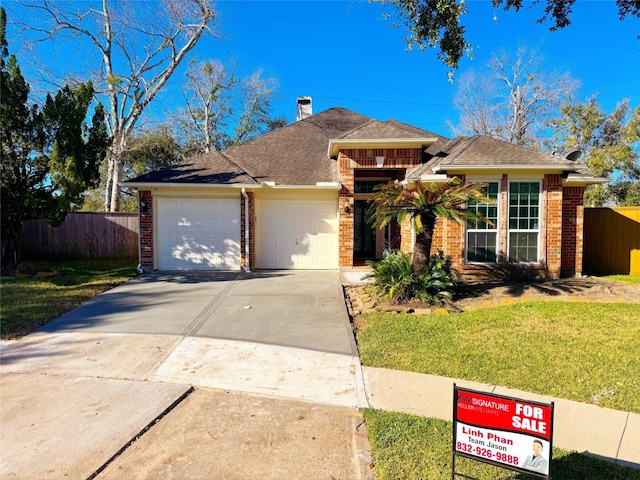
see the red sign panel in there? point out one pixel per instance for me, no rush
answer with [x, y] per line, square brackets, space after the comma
[502, 430]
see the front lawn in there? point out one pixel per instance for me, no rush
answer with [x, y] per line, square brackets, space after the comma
[409, 447]
[588, 352]
[32, 302]
[632, 279]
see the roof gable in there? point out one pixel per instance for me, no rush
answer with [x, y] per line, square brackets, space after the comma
[485, 151]
[375, 129]
[297, 153]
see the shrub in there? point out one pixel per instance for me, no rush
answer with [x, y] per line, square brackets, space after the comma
[394, 278]
[510, 270]
[393, 275]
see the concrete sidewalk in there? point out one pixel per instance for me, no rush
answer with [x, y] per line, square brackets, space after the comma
[609, 434]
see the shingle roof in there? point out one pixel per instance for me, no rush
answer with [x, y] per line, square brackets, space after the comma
[375, 129]
[436, 154]
[481, 151]
[485, 151]
[293, 155]
[210, 168]
[296, 154]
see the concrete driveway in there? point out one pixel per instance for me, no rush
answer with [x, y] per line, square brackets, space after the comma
[77, 392]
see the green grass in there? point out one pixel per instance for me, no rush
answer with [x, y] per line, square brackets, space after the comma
[588, 352]
[32, 302]
[409, 447]
[633, 279]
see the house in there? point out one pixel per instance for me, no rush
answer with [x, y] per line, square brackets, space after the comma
[296, 198]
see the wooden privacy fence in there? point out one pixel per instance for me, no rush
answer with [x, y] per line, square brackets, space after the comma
[82, 236]
[612, 241]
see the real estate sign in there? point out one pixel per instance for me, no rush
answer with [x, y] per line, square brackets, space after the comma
[504, 431]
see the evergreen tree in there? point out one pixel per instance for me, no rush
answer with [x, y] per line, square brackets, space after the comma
[49, 155]
[610, 146]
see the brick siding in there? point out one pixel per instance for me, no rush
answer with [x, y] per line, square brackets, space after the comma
[146, 230]
[551, 243]
[572, 230]
[252, 232]
[561, 226]
[397, 160]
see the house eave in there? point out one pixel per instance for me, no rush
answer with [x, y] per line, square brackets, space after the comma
[148, 185]
[318, 186]
[503, 168]
[582, 180]
[336, 144]
[427, 178]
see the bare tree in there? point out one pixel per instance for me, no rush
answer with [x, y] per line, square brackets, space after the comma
[223, 110]
[512, 100]
[207, 94]
[478, 105]
[138, 44]
[254, 115]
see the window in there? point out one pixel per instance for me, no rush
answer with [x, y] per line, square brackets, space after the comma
[368, 186]
[524, 221]
[482, 236]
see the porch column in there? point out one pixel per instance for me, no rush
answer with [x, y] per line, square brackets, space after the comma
[552, 187]
[572, 230]
[345, 215]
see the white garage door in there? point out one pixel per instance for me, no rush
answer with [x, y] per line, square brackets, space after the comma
[198, 234]
[297, 234]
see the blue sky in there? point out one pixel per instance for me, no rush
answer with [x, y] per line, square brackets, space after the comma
[345, 53]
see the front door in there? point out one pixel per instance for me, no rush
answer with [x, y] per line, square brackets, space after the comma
[364, 237]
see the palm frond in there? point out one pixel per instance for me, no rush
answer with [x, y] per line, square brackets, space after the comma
[423, 201]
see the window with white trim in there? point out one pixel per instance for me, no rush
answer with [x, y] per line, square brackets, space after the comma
[524, 221]
[482, 236]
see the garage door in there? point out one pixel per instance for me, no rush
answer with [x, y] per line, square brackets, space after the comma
[297, 234]
[198, 234]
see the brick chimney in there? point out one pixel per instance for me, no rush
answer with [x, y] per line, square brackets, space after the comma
[303, 108]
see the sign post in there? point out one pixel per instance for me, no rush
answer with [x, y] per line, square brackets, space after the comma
[503, 431]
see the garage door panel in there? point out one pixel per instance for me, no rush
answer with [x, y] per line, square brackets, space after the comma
[326, 207]
[286, 207]
[297, 234]
[324, 227]
[198, 234]
[326, 260]
[305, 262]
[286, 223]
[325, 241]
[307, 225]
[307, 207]
[188, 205]
[307, 242]
[170, 204]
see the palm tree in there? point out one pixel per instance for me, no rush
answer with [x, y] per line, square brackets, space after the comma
[424, 203]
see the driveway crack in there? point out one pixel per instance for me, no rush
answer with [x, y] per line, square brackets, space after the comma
[210, 307]
[138, 435]
[198, 320]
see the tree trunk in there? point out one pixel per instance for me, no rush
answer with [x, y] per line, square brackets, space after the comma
[118, 169]
[107, 188]
[424, 239]
[114, 176]
[10, 250]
